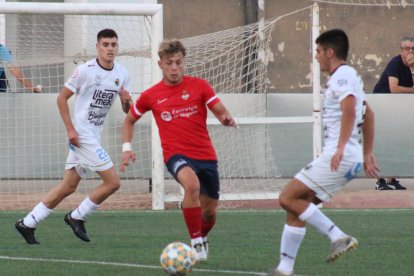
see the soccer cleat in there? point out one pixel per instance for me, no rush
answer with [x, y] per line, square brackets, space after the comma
[382, 185]
[277, 272]
[341, 246]
[78, 227]
[205, 245]
[199, 252]
[394, 184]
[26, 232]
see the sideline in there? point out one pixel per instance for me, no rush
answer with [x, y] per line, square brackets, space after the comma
[233, 272]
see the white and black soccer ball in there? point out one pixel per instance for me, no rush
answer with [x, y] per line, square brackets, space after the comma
[177, 258]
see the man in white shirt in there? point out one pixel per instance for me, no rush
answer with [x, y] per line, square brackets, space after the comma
[345, 115]
[96, 85]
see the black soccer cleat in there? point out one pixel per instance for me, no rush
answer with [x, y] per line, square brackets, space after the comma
[26, 232]
[395, 184]
[78, 227]
[382, 185]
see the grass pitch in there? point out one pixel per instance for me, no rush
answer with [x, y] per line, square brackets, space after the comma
[243, 243]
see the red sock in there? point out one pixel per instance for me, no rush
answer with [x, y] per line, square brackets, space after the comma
[192, 217]
[206, 226]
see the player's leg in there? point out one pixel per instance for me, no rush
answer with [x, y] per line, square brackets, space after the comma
[312, 185]
[182, 168]
[76, 218]
[209, 197]
[192, 211]
[41, 211]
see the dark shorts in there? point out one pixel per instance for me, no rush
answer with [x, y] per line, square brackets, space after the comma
[206, 171]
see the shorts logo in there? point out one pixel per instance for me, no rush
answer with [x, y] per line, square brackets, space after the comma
[342, 82]
[177, 164]
[166, 116]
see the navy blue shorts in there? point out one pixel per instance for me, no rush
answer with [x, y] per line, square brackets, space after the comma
[206, 171]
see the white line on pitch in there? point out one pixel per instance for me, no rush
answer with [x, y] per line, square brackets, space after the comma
[122, 264]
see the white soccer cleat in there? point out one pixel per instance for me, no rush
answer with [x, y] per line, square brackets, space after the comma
[277, 272]
[341, 246]
[199, 252]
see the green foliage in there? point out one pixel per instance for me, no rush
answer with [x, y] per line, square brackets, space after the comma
[242, 243]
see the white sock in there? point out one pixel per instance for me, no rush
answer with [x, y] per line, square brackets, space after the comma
[289, 245]
[39, 213]
[86, 208]
[196, 241]
[322, 223]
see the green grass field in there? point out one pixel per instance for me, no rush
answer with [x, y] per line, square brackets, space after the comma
[243, 243]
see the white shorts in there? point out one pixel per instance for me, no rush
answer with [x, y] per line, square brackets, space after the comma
[88, 156]
[324, 182]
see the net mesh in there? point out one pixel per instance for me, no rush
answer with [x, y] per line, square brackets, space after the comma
[33, 139]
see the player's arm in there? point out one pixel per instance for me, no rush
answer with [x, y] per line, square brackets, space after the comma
[395, 88]
[127, 135]
[18, 74]
[348, 118]
[126, 100]
[368, 129]
[223, 115]
[62, 102]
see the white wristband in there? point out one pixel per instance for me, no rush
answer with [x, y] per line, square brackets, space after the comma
[126, 147]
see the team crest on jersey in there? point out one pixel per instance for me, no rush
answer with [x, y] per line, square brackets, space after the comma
[185, 95]
[75, 73]
[98, 80]
[117, 82]
[166, 116]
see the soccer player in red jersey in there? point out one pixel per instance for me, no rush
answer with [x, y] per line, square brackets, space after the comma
[179, 105]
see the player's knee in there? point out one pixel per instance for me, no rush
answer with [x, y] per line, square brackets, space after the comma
[70, 189]
[114, 186]
[209, 214]
[284, 201]
[192, 190]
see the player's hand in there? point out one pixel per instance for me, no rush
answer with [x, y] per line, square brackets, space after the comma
[336, 160]
[410, 60]
[73, 138]
[370, 166]
[127, 156]
[227, 120]
[37, 89]
[125, 96]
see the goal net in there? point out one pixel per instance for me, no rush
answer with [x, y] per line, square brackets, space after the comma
[47, 41]
[47, 46]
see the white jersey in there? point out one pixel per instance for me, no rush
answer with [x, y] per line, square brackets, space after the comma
[343, 82]
[96, 89]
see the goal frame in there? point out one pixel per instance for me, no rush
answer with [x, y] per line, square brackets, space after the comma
[155, 12]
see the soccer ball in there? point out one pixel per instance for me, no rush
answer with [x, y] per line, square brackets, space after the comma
[177, 258]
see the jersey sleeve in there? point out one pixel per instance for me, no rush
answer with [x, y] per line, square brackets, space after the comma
[127, 80]
[343, 84]
[75, 81]
[5, 55]
[140, 106]
[210, 97]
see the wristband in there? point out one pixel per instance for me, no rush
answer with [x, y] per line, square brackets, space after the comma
[126, 147]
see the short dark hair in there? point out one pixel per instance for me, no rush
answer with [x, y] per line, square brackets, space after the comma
[171, 46]
[337, 40]
[106, 33]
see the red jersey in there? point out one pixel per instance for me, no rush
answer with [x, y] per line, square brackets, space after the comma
[180, 112]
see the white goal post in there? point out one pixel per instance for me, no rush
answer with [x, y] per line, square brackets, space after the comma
[47, 40]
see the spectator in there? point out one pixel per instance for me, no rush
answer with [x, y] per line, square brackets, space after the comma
[5, 61]
[397, 78]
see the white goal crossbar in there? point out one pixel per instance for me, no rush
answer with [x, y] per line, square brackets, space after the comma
[251, 118]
